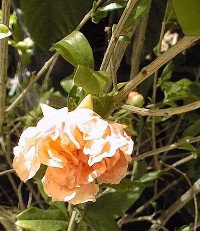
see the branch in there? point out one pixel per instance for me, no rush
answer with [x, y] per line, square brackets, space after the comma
[165, 148]
[4, 59]
[113, 41]
[146, 72]
[163, 112]
[180, 203]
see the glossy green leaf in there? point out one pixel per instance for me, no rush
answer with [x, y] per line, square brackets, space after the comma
[4, 31]
[151, 176]
[74, 96]
[192, 130]
[92, 82]
[188, 16]
[103, 104]
[49, 21]
[67, 83]
[101, 12]
[39, 220]
[101, 215]
[136, 15]
[76, 49]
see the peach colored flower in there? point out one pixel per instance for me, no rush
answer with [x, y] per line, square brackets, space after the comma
[80, 149]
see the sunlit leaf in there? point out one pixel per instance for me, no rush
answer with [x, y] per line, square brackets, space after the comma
[39, 220]
[75, 49]
[92, 82]
[4, 31]
[101, 215]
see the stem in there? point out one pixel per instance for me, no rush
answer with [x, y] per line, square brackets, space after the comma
[111, 47]
[72, 220]
[146, 72]
[155, 79]
[138, 43]
[165, 148]
[180, 203]
[4, 60]
[163, 112]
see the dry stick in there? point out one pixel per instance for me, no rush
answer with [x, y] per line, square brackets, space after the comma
[190, 185]
[71, 222]
[130, 218]
[165, 148]
[30, 84]
[163, 112]
[138, 43]
[4, 60]
[183, 44]
[181, 202]
[46, 66]
[127, 12]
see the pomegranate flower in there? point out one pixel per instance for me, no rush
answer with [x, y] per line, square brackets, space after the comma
[80, 149]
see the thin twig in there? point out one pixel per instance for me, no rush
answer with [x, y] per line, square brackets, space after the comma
[183, 44]
[129, 218]
[6, 172]
[30, 84]
[138, 43]
[71, 222]
[163, 112]
[4, 60]
[190, 185]
[127, 12]
[175, 207]
[165, 148]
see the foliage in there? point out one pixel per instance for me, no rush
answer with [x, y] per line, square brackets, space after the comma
[165, 161]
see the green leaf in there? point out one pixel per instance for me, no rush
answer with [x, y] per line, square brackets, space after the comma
[151, 176]
[184, 89]
[101, 12]
[39, 220]
[92, 82]
[67, 83]
[102, 104]
[136, 15]
[188, 16]
[49, 21]
[74, 97]
[76, 49]
[192, 130]
[4, 31]
[101, 214]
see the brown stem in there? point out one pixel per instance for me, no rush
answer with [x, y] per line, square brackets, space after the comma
[4, 59]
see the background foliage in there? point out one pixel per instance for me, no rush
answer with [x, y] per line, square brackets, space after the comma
[56, 52]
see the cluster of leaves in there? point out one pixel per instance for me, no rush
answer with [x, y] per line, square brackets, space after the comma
[50, 21]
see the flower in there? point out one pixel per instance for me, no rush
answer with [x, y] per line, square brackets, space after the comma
[80, 149]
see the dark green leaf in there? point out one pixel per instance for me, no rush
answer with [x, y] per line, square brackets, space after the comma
[151, 176]
[39, 220]
[74, 97]
[101, 214]
[193, 130]
[75, 49]
[102, 104]
[135, 16]
[187, 13]
[92, 82]
[67, 83]
[49, 21]
[101, 12]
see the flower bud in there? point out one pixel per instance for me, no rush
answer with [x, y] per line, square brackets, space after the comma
[135, 99]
